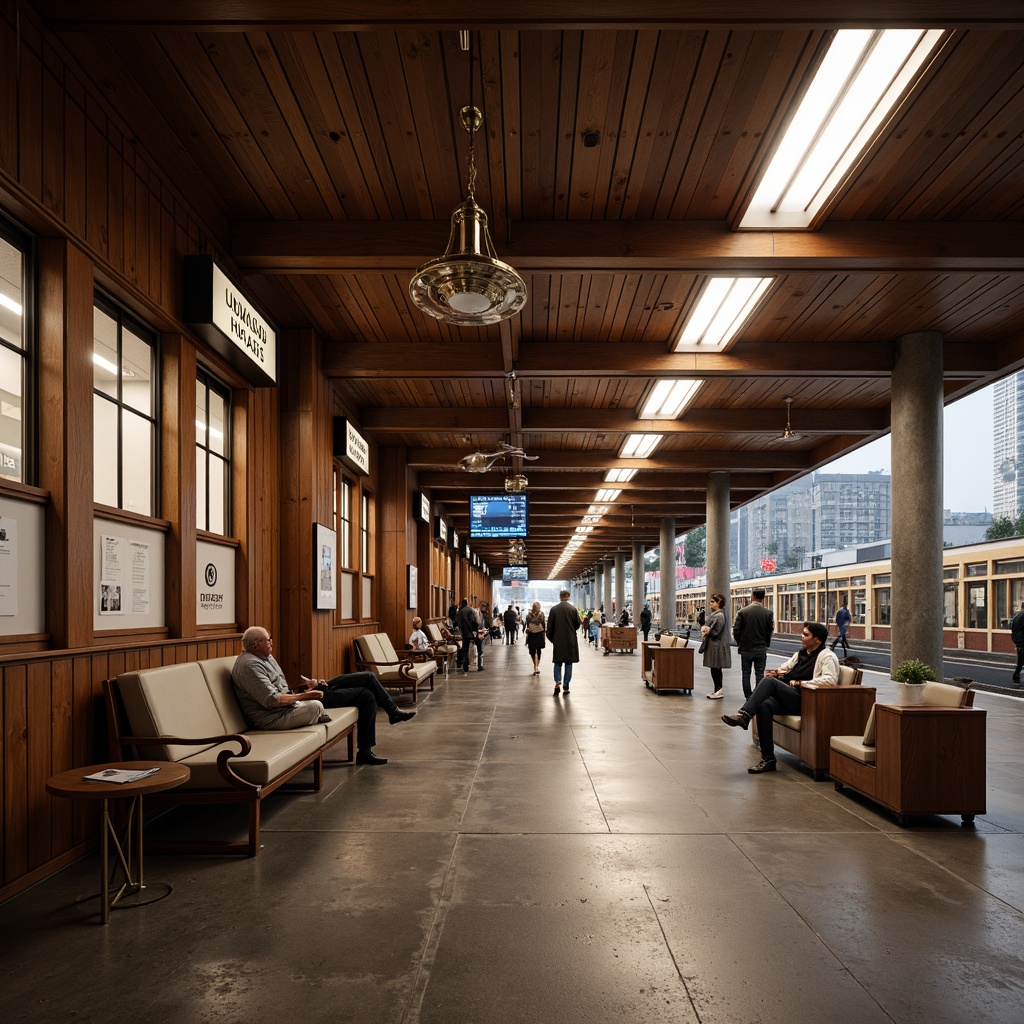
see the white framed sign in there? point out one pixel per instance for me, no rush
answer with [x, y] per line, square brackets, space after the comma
[412, 578]
[350, 447]
[325, 568]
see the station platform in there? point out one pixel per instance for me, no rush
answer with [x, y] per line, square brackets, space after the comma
[597, 857]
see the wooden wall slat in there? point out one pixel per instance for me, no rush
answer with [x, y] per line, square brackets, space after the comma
[39, 701]
[15, 772]
[62, 751]
[8, 93]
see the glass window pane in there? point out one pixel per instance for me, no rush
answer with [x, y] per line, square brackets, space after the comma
[218, 424]
[12, 313]
[136, 464]
[200, 487]
[12, 414]
[949, 605]
[218, 495]
[104, 353]
[104, 447]
[136, 372]
[200, 413]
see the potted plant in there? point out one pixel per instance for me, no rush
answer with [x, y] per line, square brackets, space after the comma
[910, 675]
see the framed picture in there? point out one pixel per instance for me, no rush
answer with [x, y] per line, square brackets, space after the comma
[410, 583]
[325, 568]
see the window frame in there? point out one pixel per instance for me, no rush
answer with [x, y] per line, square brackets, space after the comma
[125, 318]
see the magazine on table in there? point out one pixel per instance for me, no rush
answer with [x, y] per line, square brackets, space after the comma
[121, 775]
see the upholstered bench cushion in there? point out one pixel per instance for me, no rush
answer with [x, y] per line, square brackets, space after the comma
[173, 700]
[789, 721]
[273, 753]
[855, 747]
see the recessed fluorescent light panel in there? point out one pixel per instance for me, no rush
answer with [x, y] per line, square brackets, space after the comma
[619, 476]
[639, 446]
[607, 494]
[720, 312]
[857, 85]
[669, 398]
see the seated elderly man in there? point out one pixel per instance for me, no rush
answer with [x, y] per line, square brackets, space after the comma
[267, 701]
[778, 692]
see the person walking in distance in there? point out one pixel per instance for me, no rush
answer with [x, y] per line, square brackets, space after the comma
[562, 631]
[1017, 634]
[843, 619]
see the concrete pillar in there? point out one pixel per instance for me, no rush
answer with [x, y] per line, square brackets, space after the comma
[620, 582]
[638, 579]
[608, 596]
[667, 555]
[598, 585]
[917, 499]
[718, 537]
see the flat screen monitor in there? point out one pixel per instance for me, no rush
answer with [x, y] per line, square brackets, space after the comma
[497, 515]
[515, 573]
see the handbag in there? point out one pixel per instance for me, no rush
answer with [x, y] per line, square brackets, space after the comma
[703, 646]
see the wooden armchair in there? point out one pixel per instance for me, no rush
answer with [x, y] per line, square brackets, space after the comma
[397, 670]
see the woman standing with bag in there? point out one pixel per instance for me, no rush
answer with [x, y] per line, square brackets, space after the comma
[715, 644]
[535, 626]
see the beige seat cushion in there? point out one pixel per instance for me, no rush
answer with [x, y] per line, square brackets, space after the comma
[853, 746]
[849, 676]
[667, 641]
[173, 700]
[869, 729]
[377, 647]
[273, 753]
[944, 695]
[790, 721]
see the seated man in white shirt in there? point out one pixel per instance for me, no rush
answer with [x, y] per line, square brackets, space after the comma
[778, 692]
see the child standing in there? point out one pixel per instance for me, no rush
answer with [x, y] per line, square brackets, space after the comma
[418, 641]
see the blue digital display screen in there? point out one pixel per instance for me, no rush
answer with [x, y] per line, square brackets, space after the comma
[498, 515]
[515, 572]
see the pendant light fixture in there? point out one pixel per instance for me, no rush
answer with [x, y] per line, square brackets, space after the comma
[468, 285]
[789, 434]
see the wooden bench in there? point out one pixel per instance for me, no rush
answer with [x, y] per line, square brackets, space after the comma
[445, 648]
[396, 670]
[188, 714]
[925, 759]
[825, 711]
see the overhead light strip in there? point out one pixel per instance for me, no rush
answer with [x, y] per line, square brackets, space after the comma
[856, 87]
[721, 311]
[669, 398]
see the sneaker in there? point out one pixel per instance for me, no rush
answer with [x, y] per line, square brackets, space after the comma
[369, 757]
[741, 718]
[558, 689]
[762, 766]
[400, 716]
[717, 695]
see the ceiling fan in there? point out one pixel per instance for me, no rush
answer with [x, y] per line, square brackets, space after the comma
[481, 462]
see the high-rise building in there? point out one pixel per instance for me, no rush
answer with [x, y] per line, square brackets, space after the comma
[822, 511]
[1007, 445]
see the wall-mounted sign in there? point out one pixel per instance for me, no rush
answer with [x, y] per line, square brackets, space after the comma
[420, 507]
[440, 529]
[350, 447]
[455, 539]
[215, 583]
[465, 551]
[227, 321]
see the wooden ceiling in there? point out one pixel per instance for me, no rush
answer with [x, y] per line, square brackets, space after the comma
[620, 145]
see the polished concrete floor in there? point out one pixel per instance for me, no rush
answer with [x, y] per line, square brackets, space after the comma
[601, 857]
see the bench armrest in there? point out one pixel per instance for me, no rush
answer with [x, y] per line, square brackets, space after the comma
[244, 748]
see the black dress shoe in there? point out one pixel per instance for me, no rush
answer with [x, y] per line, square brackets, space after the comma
[400, 716]
[324, 719]
[741, 718]
[762, 766]
[369, 757]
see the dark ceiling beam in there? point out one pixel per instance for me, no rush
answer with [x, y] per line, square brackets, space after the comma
[363, 15]
[781, 458]
[766, 420]
[358, 247]
[440, 483]
[541, 359]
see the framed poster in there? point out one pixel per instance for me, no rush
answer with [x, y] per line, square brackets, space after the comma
[325, 565]
[410, 585]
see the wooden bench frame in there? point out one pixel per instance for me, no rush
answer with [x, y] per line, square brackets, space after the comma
[126, 747]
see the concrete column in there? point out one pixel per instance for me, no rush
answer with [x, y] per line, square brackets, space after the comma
[667, 555]
[638, 578]
[620, 582]
[917, 499]
[598, 585]
[718, 537]
[608, 593]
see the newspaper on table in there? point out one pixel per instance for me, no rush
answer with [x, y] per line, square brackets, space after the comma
[121, 775]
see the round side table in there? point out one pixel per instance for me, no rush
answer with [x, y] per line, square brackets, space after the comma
[128, 849]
